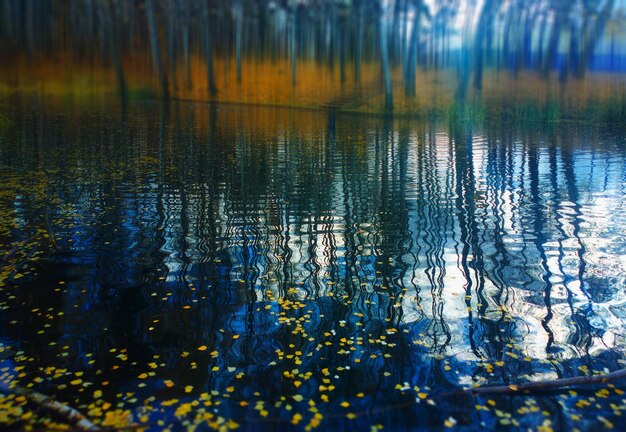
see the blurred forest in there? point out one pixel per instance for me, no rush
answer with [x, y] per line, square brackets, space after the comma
[411, 56]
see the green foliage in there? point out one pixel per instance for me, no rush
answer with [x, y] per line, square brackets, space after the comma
[466, 112]
[612, 111]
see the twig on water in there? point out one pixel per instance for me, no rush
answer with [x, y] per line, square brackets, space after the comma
[546, 385]
[71, 415]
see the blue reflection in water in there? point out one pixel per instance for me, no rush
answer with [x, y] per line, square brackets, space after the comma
[322, 256]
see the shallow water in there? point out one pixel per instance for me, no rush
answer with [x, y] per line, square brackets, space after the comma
[346, 269]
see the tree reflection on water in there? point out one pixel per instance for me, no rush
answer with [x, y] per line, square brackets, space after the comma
[280, 267]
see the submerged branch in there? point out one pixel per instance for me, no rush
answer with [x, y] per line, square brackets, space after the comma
[71, 415]
[550, 384]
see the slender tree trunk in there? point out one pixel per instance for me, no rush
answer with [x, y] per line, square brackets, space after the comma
[403, 24]
[358, 50]
[384, 56]
[332, 23]
[114, 47]
[156, 49]
[527, 41]
[262, 28]
[186, 24]
[541, 43]
[411, 57]
[292, 44]
[238, 16]
[464, 74]
[395, 33]
[171, 41]
[208, 49]
[483, 29]
[595, 35]
[8, 18]
[29, 27]
[342, 48]
[555, 35]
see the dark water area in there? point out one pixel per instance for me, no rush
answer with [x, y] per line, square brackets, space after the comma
[290, 269]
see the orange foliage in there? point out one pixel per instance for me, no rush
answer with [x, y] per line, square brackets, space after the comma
[267, 82]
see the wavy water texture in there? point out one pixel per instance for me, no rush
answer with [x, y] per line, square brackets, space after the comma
[372, 261]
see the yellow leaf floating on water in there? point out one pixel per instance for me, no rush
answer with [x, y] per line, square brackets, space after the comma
[345, 404]
[298, 398]
[188, 389]
[450, 422]
[202, 348]
[117, 419]
[168, 383]
[142, 376]
[183, 410]
[351, 416]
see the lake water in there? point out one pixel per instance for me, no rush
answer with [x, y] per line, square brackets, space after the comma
[191, 264]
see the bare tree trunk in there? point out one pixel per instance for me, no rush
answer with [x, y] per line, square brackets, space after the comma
[29, 27]
[342, 28]
[540, 44]
[186, 24]
[331, 22]
[595, 34]
[114, 47]
[210, 74]
[238, 17]
[156, 49]
[555, 35]
[358, 51]
[411, 56]
[171, 40]
[483, 28]
[292, 44]
[384, 56]
[7, 20]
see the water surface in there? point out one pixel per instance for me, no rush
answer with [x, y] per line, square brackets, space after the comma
[280, 267]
